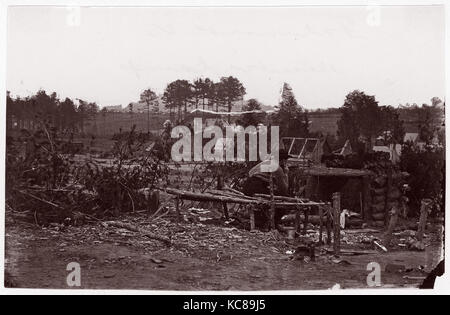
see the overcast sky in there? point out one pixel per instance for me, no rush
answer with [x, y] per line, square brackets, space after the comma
[109, 55]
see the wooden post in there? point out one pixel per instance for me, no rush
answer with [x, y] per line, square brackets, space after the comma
[297, 221]
[424, 206]
[251, 212]
[225, 211]
[153, 201]
[320, 225]
[329, 222]
[305, 223]
[391, 226]
[367, 213]
[272, 205]
[388, 190]
[219, 177]
[336, 222]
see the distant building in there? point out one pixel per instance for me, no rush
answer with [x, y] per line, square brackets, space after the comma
[394, 151]
[411, 136]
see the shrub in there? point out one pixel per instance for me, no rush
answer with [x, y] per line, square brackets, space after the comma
[49, 186]
[426, 167]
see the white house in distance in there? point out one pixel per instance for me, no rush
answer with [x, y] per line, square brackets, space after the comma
[394, 151]
[414, 138]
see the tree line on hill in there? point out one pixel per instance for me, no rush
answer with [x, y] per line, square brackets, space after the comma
[362, 118]
[178, 97]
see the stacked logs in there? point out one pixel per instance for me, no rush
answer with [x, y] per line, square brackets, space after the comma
[385, 189]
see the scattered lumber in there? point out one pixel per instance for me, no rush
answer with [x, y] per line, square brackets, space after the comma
[133, 228]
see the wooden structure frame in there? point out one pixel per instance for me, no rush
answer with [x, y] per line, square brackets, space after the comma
[329, 211]
[227, 196]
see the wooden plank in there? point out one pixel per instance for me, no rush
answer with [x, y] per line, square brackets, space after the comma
[225, 211]
[320, 225]
[272, 206]
[297, 222]
[392, 223]
[329, 225]
[367, 211]
[424, 205]
[336, 222]
[386, 199]
[252, 218]
[305, 223]
[228, 194]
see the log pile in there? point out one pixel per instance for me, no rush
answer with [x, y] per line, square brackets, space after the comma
[385, 190]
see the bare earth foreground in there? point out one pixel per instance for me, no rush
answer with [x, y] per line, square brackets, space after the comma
[205, 256]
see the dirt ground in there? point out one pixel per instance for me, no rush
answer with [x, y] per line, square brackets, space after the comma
[205, 256]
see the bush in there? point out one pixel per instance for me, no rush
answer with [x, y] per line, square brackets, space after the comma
[426, 167]
[48, 186]
[118, 186]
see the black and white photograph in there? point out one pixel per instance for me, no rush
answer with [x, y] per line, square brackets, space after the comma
[219, 148]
